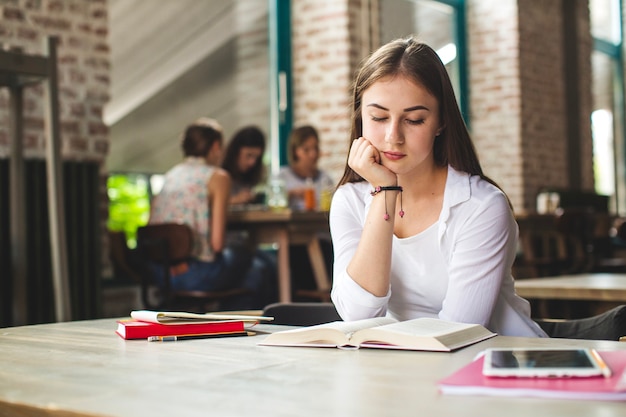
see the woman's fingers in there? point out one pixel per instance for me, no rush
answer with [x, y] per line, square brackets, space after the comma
[362, 154]
[364, 159]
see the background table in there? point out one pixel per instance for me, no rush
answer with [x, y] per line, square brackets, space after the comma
[580, 295]
[600, 287]
[84, 368]
[285, 228]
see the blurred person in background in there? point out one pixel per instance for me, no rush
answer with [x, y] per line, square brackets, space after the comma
[303, 172]
[196, 192]
[243, 160]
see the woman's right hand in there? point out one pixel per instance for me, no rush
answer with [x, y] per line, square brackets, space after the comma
[364, 159]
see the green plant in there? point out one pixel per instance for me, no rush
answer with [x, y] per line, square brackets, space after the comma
[129, 204]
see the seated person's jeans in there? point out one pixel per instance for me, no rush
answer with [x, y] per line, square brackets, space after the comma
[236, 268]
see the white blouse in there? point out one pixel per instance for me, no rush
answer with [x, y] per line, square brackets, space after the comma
[459, 269]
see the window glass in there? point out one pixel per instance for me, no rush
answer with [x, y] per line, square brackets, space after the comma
[602, 124]
[608, 103]
[605, 20]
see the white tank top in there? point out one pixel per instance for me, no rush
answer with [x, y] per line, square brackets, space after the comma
[419, 278]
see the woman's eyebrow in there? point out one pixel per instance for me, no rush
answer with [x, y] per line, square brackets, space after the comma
[408, 109]
[418, 107]
[378, 106]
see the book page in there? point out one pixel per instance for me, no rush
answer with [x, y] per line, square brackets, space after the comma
[422, 334]
[167, 317]
[428, 327]
[349, 327]
[324, 335]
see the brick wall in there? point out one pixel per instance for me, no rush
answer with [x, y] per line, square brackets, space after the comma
[517, 92]
[324, 36]
[544, 131]
[494, 91]
[83, 68]
[83, 79]
[518, 99]
[584, 44]
[546, 140]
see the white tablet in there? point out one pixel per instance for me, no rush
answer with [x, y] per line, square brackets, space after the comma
[543, 362]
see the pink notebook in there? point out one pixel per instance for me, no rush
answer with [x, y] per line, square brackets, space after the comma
[469, 380]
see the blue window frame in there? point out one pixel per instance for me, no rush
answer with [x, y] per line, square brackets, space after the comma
[280, 80]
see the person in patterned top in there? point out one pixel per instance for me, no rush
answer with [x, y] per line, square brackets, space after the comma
[196, 192]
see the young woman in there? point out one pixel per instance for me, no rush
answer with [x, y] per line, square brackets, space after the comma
[303, 172]
[418, 230]
[243, 160]
[196, 192]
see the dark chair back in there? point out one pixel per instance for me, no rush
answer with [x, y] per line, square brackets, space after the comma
[167, 245]
[301, 313]
[610, 325]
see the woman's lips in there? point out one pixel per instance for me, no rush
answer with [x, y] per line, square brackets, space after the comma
[393, 156]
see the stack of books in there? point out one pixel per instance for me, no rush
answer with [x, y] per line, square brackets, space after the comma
[167, 325]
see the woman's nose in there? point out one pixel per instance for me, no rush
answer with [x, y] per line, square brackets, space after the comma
[394, 134]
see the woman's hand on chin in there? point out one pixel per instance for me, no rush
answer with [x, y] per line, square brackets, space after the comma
[364, 159]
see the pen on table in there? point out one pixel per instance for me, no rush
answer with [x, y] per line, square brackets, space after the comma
[196, 336]
[606, 371]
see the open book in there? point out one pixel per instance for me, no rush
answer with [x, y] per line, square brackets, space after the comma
[171, 317]
[385, 333]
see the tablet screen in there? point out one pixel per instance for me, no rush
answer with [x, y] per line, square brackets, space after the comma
[540, 363]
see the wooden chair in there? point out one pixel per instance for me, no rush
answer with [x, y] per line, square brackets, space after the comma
[544, 253]
[555, 244]
[613, 256]
[168, 245]
[301, 313]
[577, 228]
[610, 325]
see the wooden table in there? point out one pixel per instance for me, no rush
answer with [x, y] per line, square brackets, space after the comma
[598, 287]
[285, 228]
[84, 369]
[573, 296]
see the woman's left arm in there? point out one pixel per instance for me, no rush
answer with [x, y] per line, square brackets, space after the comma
[481, 252]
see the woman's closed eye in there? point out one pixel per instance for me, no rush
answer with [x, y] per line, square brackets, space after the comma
[418, 121]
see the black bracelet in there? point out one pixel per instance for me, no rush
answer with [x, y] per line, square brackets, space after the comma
[378, 189]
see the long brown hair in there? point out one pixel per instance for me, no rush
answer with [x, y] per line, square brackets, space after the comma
[420, 63]
[250, 137]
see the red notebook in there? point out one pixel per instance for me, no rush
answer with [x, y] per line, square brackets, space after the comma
[135, 329]
[470, 380]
